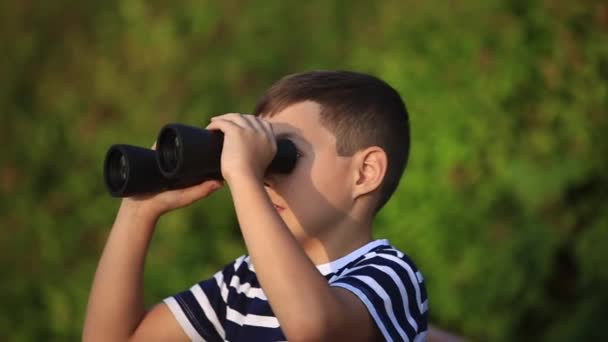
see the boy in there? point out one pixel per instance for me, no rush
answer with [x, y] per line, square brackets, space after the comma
[313, 272]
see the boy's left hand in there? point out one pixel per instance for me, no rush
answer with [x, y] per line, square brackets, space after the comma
[249, 145]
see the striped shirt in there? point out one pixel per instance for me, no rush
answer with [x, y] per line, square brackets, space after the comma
[232, 306]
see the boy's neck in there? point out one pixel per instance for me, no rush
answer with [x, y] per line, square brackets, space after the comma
[337, 241]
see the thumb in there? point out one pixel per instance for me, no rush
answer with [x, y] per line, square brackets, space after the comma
[202, 190]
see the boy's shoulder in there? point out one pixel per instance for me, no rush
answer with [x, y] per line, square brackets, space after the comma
[391, 287]
[377, 254]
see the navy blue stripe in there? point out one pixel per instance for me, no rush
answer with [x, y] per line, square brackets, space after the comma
[235, 332]
[213, 293]
[196, 316]
[228, 271]
[247, 305]
[247, 275]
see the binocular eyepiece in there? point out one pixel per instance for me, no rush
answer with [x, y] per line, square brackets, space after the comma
[184, 156]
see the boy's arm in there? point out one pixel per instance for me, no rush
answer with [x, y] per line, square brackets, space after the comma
[304, 303]
[306, 306]
[115, 311]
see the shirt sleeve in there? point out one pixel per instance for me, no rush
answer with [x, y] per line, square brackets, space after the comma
[201, 310]
[393, 291]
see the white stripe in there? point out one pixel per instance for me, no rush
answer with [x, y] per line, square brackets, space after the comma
[420, 277]
[203, 301]
[425, 305]
[247, 289]
[251, 319]
[370, 308]
[219, 279]
[388, 305]
[410, 272]
[244, 288]
[391, 273]
[420, 337]
[183, 321]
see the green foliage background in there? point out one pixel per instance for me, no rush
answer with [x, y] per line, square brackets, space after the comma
[503, 205]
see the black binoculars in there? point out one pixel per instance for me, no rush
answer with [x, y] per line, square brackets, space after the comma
[184, 156]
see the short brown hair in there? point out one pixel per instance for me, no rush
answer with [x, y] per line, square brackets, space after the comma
[361, 110]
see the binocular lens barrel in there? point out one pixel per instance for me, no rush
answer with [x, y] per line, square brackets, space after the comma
[189, 153]
[118, 170]
[169, 150]
[184, 156]
[130, 170]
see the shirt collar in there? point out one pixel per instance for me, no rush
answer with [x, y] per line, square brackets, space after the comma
[337, 264]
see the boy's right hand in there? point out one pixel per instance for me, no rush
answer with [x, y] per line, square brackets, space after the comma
[115, 310]
[155, 205]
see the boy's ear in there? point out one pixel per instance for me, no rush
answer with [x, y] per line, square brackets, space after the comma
[370, 168]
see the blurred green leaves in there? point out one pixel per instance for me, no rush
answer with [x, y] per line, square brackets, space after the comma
[502, 205]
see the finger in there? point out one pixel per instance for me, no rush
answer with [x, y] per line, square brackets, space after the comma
[267, 125]
[153, 146]
[224, 125]
[233, 117]
[263, 127]
[254, 122]
[196, 192]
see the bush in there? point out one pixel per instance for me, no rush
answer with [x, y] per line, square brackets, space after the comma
[502, 205]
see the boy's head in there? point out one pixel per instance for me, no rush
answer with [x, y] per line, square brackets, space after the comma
[359, 109]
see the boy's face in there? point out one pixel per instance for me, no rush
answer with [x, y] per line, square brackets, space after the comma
[316, 195]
